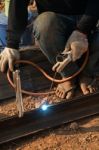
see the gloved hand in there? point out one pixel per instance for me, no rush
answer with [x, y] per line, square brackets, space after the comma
[8, 56]
[78, 44]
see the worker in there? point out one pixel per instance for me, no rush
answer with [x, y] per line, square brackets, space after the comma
[62, 25]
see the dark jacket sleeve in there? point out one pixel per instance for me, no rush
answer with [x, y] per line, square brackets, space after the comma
[17, 22]
[90, 17]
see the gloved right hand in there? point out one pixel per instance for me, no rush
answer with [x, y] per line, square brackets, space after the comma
[77, 44]
[7, 57]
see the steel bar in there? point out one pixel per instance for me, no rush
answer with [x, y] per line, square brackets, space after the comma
[38, 120]
[19, 100]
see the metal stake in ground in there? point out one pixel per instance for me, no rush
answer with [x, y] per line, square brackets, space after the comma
[19, 101]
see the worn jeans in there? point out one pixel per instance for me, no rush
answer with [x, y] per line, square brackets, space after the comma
[52, 30]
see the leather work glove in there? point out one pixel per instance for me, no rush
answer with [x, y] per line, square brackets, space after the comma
[78, 44]
[7, 57]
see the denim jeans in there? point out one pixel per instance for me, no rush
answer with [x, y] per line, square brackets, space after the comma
[52, 30]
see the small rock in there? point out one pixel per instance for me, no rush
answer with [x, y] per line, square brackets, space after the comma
[74, 126]
[37, 104]
[0, 109]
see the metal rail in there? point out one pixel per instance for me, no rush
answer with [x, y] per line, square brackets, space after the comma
[39, 120]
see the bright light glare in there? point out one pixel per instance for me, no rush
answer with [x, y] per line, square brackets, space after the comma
[44, 107]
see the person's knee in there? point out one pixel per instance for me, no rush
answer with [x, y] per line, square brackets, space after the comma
[43, 24]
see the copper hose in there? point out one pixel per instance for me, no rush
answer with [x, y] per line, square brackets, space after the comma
[46, 75]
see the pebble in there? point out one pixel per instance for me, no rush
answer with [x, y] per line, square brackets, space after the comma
[74, 126]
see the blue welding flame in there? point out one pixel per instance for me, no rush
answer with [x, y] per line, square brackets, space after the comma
[44, 107]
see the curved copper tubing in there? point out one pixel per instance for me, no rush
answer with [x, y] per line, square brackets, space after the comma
[46, 75]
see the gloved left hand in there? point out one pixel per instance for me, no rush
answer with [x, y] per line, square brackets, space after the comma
[7, 57]
[77, 44]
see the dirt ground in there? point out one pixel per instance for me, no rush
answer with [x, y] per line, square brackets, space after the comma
[83, 135]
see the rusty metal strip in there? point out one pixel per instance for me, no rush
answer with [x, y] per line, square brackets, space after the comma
[38, 120]
[19, 100]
